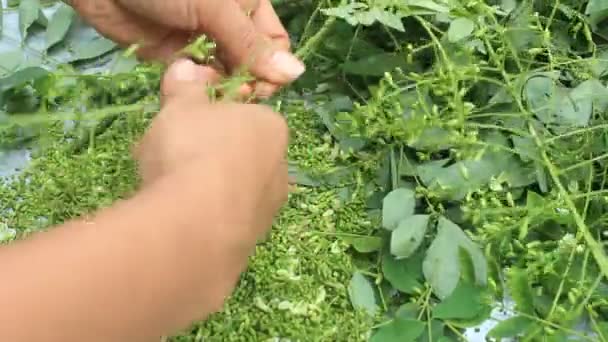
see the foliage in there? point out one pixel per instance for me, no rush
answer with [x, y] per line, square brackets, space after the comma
[465, 142]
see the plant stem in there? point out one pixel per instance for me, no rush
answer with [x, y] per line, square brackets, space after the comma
[594, 246]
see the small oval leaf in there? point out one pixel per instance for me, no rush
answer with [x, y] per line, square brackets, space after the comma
[362, 294]
[29, 12]
[397, 206]
[408, 236]
[59, 25]
[460, 29]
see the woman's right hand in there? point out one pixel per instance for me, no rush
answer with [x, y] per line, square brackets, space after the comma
[240, 146]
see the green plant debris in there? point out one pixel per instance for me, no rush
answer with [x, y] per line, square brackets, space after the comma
[450, 156]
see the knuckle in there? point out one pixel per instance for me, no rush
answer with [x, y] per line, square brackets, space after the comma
[190, 14]
[249, 39]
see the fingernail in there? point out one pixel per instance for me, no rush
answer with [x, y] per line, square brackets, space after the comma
[288, 64]
[183, 70]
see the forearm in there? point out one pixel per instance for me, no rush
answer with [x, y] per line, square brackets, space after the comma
[131, 273]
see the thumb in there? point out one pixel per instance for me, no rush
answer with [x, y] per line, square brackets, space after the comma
[187, 80]
[241, 44]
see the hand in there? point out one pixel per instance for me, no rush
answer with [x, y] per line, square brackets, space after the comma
[258, 41]
[243, 146]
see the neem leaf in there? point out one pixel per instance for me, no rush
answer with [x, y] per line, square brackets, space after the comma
[399, 330]
[405, 274]
[362, 294]
[464, 303]
[59, 25]
[29, 11]
[460, 29]
[398, 205]
[441, 265]
[408, 236]
[511, 327]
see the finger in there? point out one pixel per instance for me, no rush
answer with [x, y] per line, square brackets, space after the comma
[185, 79]
[164, 48]
[264, 90]
[244, 92]
[267, 22]
[248, 6]
[241, 44]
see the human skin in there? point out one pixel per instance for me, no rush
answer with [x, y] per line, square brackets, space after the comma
[214, 177]
[248, 33]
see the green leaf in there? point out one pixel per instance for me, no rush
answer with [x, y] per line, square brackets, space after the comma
[408, 311]
[575, 108]
[521, 291]
[6, 233]
[124, 64]
[301, 177]
[597, 11]
[59, 25]
[92, 49]
[434, 139]
[460, 29]
[1, 18]
[408, 236]
[365, 244]
[543, 96]
[519, 32]
[464, 303]
[398, 205]
[29, 12]
[511, 327]
[441, 265]
[42, 20]
[399, 330]
[427, 4]
[404, 275]
[389, 19]
[436, 333]
[377, 65]
[11, 61]
[455, 181]
[22, 77]
[362, 294]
